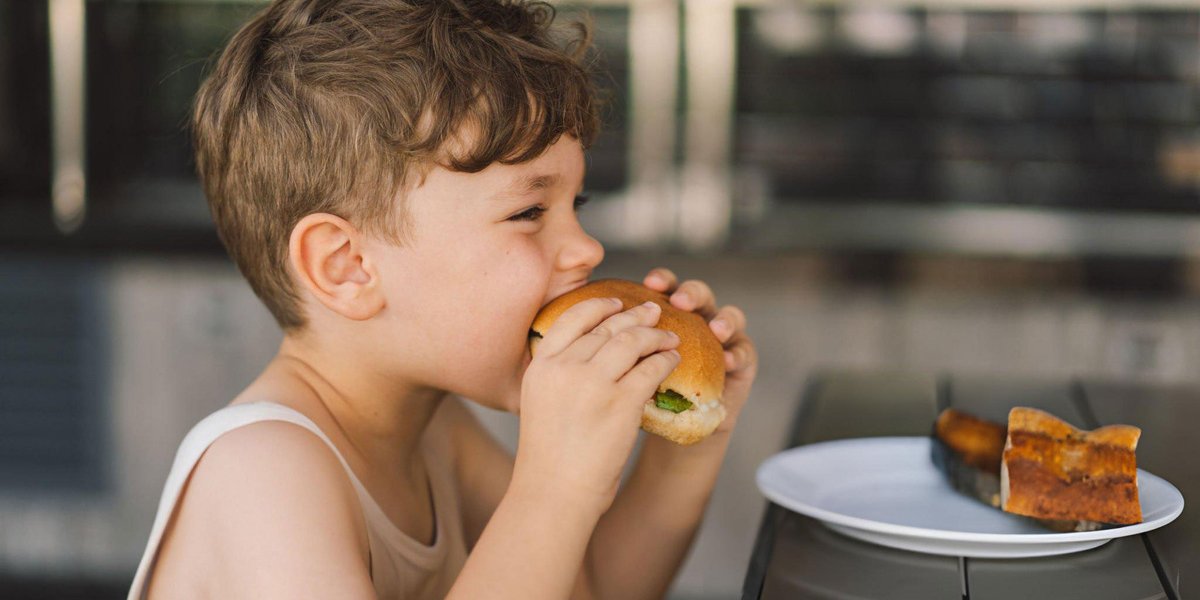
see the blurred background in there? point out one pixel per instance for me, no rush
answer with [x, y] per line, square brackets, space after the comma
[998, 187]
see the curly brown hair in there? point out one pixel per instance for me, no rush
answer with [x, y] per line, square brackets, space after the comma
[337, 106]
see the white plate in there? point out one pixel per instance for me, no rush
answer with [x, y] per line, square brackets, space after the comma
[887, 491]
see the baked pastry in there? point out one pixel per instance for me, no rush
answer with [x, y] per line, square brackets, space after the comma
[1051, 470]
[1047, 457]
[687, 406]
[967, 450]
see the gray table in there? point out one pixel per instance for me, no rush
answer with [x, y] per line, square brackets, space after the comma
[796, 557]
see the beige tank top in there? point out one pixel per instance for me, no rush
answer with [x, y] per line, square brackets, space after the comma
[401, 567]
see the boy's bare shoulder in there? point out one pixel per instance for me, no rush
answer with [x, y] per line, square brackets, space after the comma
[270, 512]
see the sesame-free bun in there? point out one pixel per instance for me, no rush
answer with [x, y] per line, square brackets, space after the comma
[699, 377]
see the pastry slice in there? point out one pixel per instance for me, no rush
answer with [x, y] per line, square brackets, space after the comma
[1051, 470]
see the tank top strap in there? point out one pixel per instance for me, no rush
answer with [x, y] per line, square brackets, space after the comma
[194, 446]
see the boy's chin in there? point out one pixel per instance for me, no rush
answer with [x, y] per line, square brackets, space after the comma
[506, 395]
[508, 401]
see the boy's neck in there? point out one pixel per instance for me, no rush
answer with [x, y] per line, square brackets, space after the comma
[382, 418]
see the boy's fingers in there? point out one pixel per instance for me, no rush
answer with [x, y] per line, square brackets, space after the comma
[695, 295]
[575, 322]
[741, 355]
[590, 343]
[729, 320]
[644, 377]
[628, 346]
[660, 279]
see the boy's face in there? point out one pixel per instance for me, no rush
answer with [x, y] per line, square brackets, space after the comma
[480, 264]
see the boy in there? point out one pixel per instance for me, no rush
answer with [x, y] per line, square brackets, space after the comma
[397, 179]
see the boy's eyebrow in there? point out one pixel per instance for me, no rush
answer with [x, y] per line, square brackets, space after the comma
[524, 184]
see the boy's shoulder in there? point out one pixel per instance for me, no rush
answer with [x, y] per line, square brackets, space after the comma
[263, 463]
[248, 495]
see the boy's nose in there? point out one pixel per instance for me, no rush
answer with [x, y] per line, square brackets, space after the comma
[580, 250]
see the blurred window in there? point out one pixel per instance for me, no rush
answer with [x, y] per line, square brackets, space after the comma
[52, 387]
[1088, 110]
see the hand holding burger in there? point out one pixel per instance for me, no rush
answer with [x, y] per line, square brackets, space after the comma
[687, 406]
[728, 322]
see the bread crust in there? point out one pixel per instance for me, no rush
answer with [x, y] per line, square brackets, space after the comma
[700, 376]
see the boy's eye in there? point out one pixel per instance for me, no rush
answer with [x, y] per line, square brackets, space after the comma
[534, 213]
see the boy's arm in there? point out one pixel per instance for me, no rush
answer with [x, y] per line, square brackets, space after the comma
[570, 454]
[642, 540]
[532, 548]
[637, 547]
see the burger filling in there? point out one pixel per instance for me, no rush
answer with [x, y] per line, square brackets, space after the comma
[672, 401]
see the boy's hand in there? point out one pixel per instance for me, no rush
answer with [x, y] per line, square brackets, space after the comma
[728, 323]
[582, 398]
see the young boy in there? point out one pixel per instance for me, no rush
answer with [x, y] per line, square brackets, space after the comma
[398, 179]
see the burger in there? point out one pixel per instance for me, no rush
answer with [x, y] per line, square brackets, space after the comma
[687, 407]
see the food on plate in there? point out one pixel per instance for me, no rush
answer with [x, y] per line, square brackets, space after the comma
[687, 406]
[1052, 470]
[1041, 467]
[967, 450]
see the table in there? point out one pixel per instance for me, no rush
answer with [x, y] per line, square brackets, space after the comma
[796, 557]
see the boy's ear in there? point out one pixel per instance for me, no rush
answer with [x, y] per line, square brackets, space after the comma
[326, 255]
